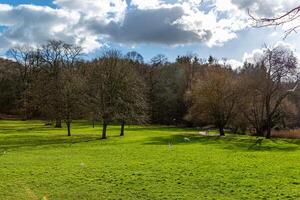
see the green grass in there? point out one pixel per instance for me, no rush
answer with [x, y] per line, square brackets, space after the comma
[37, 161]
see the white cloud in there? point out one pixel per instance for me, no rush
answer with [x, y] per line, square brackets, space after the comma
[258, 54]
[266, 8]
[103, 9]
[235, 64]
[92, 23]
[146, 4]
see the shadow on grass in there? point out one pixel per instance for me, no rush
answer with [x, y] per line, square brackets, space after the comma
[161, 129]
[230, 142]
[17, 141]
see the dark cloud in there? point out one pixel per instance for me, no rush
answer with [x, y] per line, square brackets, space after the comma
[149, 26]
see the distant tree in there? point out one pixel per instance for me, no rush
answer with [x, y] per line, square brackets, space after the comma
[211, 60]
[159, 60]
[135, 57]
[167, 94]
[253, 103]
[287, 115]
[214, 97]
[191, 65]
[10, 87]
[27, 62]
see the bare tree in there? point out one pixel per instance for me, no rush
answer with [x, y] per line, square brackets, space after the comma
[213, 98]
[252, 96]
[73, 92]
[10, 86]
[103, 86]
[56, 57]
[135, 57]
[280, 66]
[133, 105]
[273, 78]
[167, 86]
[116, 91]
[279, 20]
[27, 61]
[159, 60]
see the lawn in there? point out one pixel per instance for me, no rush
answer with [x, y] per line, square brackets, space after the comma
[150, 162]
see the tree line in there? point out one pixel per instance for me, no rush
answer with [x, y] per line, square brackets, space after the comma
[54, 82]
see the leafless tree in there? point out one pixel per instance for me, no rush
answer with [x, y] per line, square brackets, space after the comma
[73, 93]
[213, 98]
[273, 79]
[279, 20]
[132, 105]
[57, 56]
[280, 66]
[115, 90]
[10, 86]
[26, 61]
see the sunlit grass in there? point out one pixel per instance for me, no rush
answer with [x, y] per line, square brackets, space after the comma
[150, 162]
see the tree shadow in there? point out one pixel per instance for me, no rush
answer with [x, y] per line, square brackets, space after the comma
[161, 129]
[229, 142]
[34, 141]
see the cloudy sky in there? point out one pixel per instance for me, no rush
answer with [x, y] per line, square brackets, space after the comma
[172, 27]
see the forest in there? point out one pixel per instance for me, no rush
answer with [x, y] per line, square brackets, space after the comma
[54, 83]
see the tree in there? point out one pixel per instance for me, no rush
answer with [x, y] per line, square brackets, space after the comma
[133, 104]
[57, 57]
[284, 18]
[135, 57]
[103, 82]
[167, 94]
[279, 66]
[10, 85]
[190, 64]
[213, 98]
[267, 84]
[27, 62]
[211, 60]
[72, 101]
[56, 82]
[115, 90]
[252, 96]
[159, 60]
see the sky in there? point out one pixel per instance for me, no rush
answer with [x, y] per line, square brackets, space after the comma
[171, 27]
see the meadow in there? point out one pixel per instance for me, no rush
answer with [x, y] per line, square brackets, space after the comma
[150, 162]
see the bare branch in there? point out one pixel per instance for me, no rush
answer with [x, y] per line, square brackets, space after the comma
[280, 20]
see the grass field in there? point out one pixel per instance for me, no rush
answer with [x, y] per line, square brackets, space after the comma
[150, 162]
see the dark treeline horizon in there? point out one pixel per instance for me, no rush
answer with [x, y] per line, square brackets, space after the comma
[54, 83]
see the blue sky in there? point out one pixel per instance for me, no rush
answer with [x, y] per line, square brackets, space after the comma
[172, 27]
[34, 2]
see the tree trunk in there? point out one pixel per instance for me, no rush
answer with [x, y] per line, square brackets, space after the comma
[69, 128]
[269, 128]
[104, 130]
[259, 132]
[269, 119]
[25, 114]
[221, 130]
[93, 123]
[58, 123]
[122, 128]
[235, 130]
